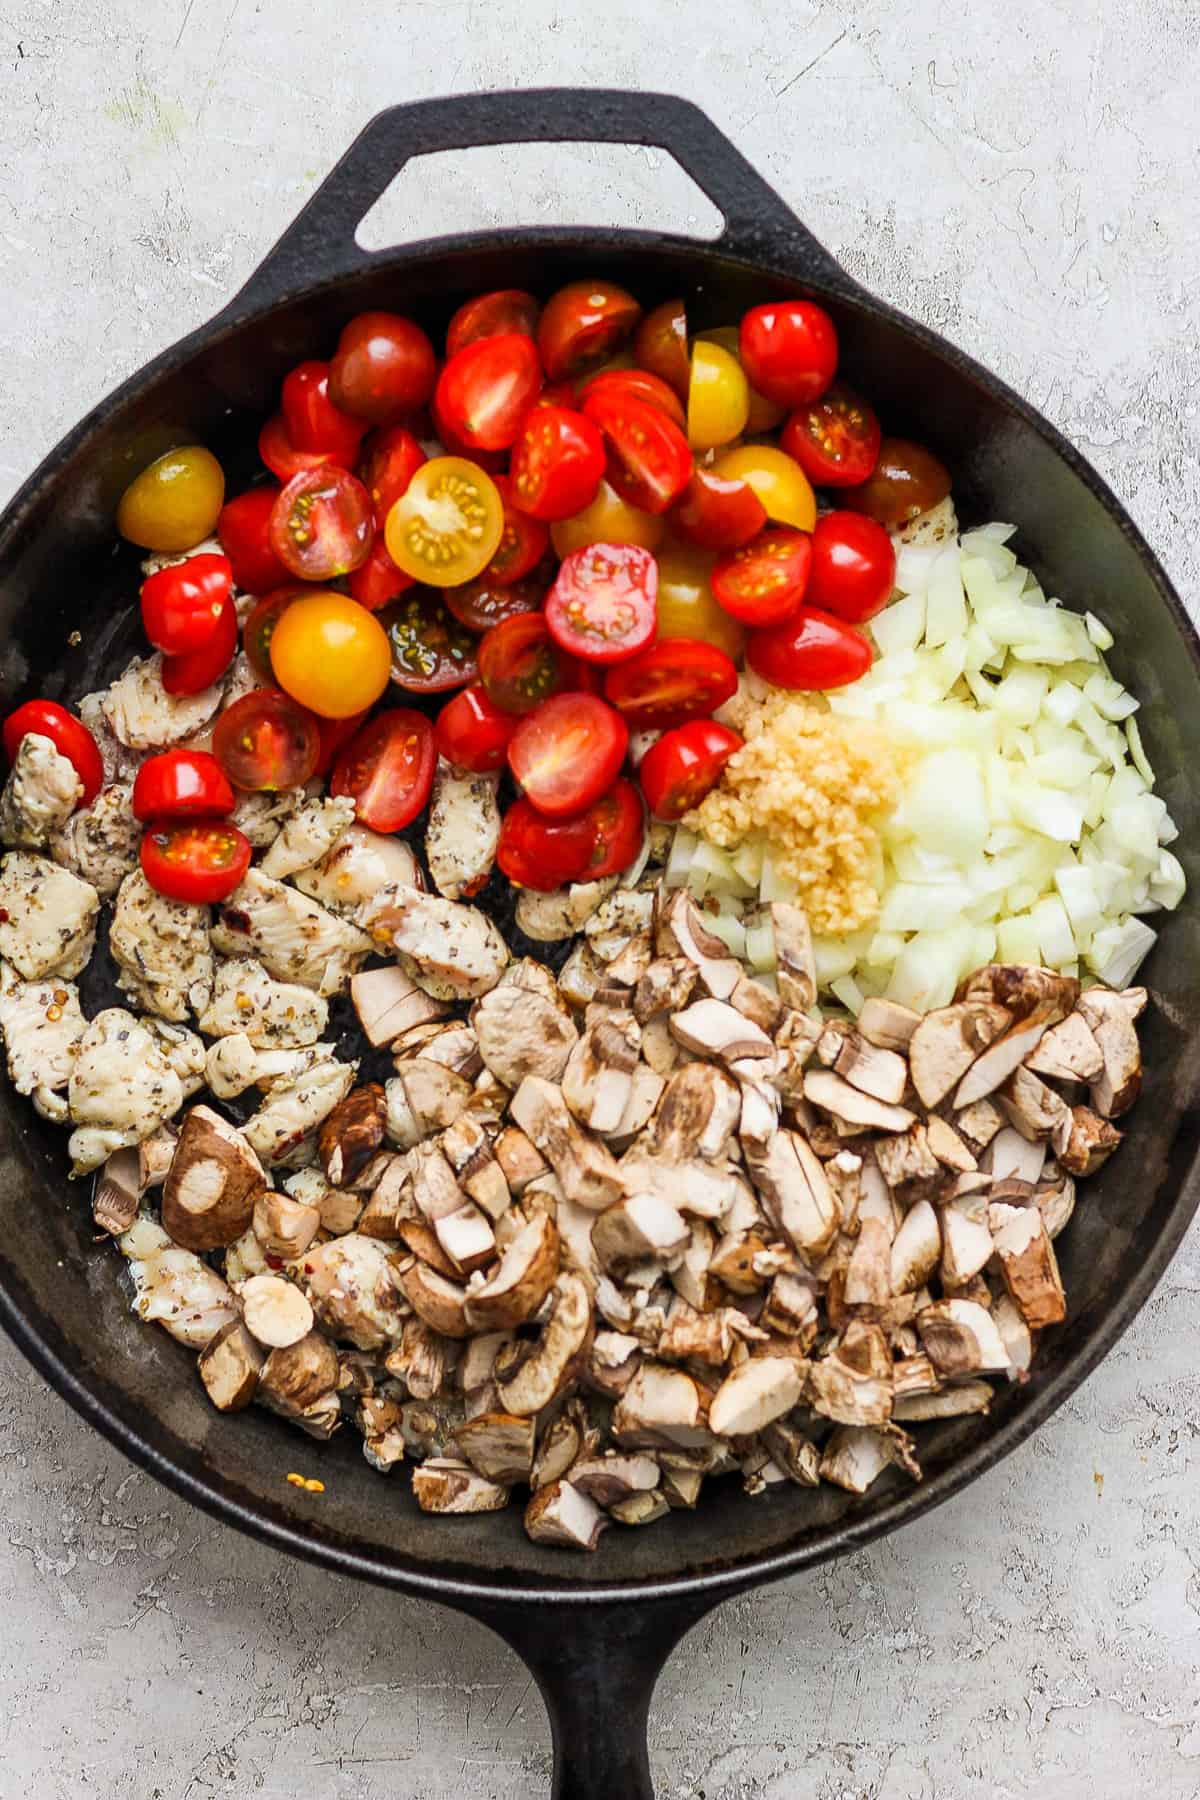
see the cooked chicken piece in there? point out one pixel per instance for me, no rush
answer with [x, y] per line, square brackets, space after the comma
[40, 794]
[41, 1026]
[47, 917]
[462, 831]
[352, 1284]
[293, 937]
[293, 1110]
[307, 836]
[520, 1033]
[120, 762]
[359, 865]
[142, 714]
[162, 950]
[121, 1088]
[100, 842]
[454, 952]
[174, 1288]
[261, 817]
[274, 1015]
[546, 918]
[182, 1051]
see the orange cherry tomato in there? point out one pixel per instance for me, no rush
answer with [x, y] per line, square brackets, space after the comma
[779, 482]
[718, 397]
[686, 606]
[447, 525]
[608, 520]
[331, 655]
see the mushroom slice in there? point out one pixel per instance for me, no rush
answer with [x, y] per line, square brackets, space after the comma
[581, 975]
[275, 1311]
[790, 1308]
[1017, 1337]
[1011, 1155]
[947, 1042]
[947, 1403]
[626, 968]
[833, 1095]
[215, 1178]
[758, 1004]
[796, 969]
[296, 1376]
[641, 1228]
[916, 1249]
[795, 1192]
[230, 1366]
[994, 1066]
[586, 1169]
[946, 1145]
[389, 1002]
[645, 1092]
[545, 1372]
[1111, 1021]
[467, 1238]
[563, 1441]
[1030, 1269]
[640, 1509]
[880, 1073]
[960, 1338]
[855, 1456]
[498, 1446]
[660, 1406]
[966, 1240]
[597, 1081]
[424, 1361]
[700, 1109]
[887, 1024]
[520, 1033]
[441, 1485]
[854, 1383]
[352, 1133]
[559, 1514]
[1031, 1107]
[681, 1487]
[440, 1302]
[118, 1193]
[1069, 1051]
[679, 930]
[659, 1047]
[666, 986]
[283, 1226]
[615, 1360]
[714, 1028]
[519, 1157]
[1023, 988]
[869, 1271]
[1083, 1141]
[525, 1275]
[759, 1391]
[614, 1476]
[979, 1123]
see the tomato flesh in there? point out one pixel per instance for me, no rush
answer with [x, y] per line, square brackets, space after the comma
[557, 463]
[313, 420]
[472, 733]
[661, 345]
[520, 665]
[482, 603]
[639, 383]
[834, 439]
[260, 626]
[568, 752]
[244, 532]
[907, 480]
[377, 582]
[853, 567]
[387, 770]
[486, 389]
[331, 655]
[195, 670]
[265, 742]
[431, 649]
[602, 606]
[384, 366]
[779, 482]
[182, 604]
[582, 324]
[765, 581]
[541, 853]
[684, 765]
[282, 457]
[789, 350]
[200, 861]
[718, 512]
[335, 734]
[174, 503]
[322, 524]
[69, 735]
[812, 651]
[492, 315]
[182, 784]
[618, 822]
[523, 542]
[675, 680]
[649, 461]
[447, 525]
[389, 461]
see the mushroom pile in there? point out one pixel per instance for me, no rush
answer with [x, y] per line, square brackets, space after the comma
[604, 1236]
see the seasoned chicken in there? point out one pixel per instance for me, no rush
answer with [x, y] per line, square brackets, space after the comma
[360, 863]
[261, 817]
[292, 1111]
[243, 678]
[120, 762]
[121, 1088]
[276, 1015]
[307, 836]
[162, 949]
[293, 937]
[47, 917]
[40, 794]
[183, 1051]
[100, 842]
[144, 716]
[171, 559]
[234, 1064]
[463, 830]
[173, 1287]
[41, 1025]
[454, 952]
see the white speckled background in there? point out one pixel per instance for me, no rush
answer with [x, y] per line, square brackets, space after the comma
[1022, 176]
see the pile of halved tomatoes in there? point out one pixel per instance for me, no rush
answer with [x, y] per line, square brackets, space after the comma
[576, 523]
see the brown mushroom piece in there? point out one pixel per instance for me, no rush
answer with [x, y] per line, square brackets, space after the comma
[1083, 1141]
[756, 1393]
[795, 1190]
[352, 1133]
[214, 1180]
[283, 1226]
[442, 1485]
[614, 1476]
[1111, 1018]
[947, 1403]
[585, 1168]
[521, 1033]
[661, 1406]
[881, 1073]
[947, 1041]
[597, 1078]
[388, 1002]
[1030, 1269]
[1031, 1106]
[853, 1384]
[666, 986]
[834, 1095]
[516, 1288]
[296, 1377]
[679, 930]
[435, 1298]
[118, 1193]
[887, 1024]
[960, 1338]
[546, 1370]
[640, 1508]
[796, 969]
[276, 1312]
[498, 1446]
[230, 1366]
[700, 1109]
[855, 1456]
[559, 1514]
[714, 1028]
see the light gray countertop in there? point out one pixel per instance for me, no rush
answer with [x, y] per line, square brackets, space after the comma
[1021, 176]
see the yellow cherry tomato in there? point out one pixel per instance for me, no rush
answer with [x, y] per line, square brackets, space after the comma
[779, 482]
[173, 504]
[330, 654]
[718, 397]
[686, 607]
[447, 525]
[764, 415]
[608, 520]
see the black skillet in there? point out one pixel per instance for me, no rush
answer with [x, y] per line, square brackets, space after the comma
[595, 1631]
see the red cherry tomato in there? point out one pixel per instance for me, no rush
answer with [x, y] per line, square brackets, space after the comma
[834, 439]
[69, 735]
[568, 752]
[377, 582]
[335, 734]
[201, 861]
[649, 461]
[322, 524]
[494, 462]
[265, 742]
[182, 604]
[661, 345]
[282, 457]
[684, 765]
[383, 366]
[789, 350]
[196, 670]
[812, 651]
[765, 581]
[906, 481]
[485, 390]
[853, 566]
[641, 385]
[387, 770]
[182, 784]
[260, 626]
[675, 680]
[313, 420]
[618, 822]
[492, 315]
[540, 853]
[582, 324]
[524, 542]
[557, 463]
[603, 605]
[389, 461]
[520, 665]
[431, 649]
[244, 530]
[558, 393]
[717, 513]
[480, 604]
[473, 734]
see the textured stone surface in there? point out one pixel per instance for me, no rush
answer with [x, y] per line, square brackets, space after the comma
[1021, 176]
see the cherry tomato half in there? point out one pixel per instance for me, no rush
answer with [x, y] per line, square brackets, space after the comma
[853, 566]
[779, 482]
[265, 742]
[260, 627]
[195, 670]
[313, 419]
[686, 606]
[524, 540]
[582, 324]
[244, 530]
[281, 456]
[907, 480]
[473, 734]
[485, 390]
[447, 525]
[480, 604]
[834, 439]
[387, 770]
[182, 604]
[541, 853]
[182, 784]
[377, 582]
[69, 735]
[765, 581]
[718, 397]
[383, 366]
[812, 651]
[331, 655]
[567, 753]
[649, 461]
[608, 520]
[492, 315]
[789, 350]
[618, 822]
[642, 385]
[322, 524]
[602, 606]
[335, 735]
[431, 649]
[200, 861]
[661, 345]
[718, 513]
[520, 665]
[675, 680]
[763, 415]
[389, 461]
[684, 765]
[557, 463]
[173, 505]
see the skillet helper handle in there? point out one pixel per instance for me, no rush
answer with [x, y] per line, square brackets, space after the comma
[320, 245]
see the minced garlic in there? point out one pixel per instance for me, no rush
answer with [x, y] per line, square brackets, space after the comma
[812, 783]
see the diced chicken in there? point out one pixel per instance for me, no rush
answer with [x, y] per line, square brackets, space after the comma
[463, 830]
[162, 950]
[261, 817]
[41, 1026]
[359, 865]
[47, 917]
[520, 1033]
[293, 937]
[549, 917]
[174, 1288]
[120, 762]
[274, 1015]
[454, 952]
[310, 834]
[142, 714]
[40, 795]
[121, 1088]
[99, 843]
[354, 1287]
[292, 1111]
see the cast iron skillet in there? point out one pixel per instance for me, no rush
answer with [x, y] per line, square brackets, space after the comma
[595, 1631]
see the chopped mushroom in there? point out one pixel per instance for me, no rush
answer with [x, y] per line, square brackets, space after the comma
[585, 1168]
[887, 1023]
[712, 1028]
[1030, 1269]
[230, 1367]
[960, 1338]
[213, 1184]
[1112, 1023]
[351, 1134]
[498, 1446]
[796, 969]
[389, 1002]
[754, 1395]
[560, 1514]
[441, 1485]
[520, 1033]
[834, 1095]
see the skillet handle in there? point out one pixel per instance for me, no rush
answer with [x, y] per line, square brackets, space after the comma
[319, 245]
